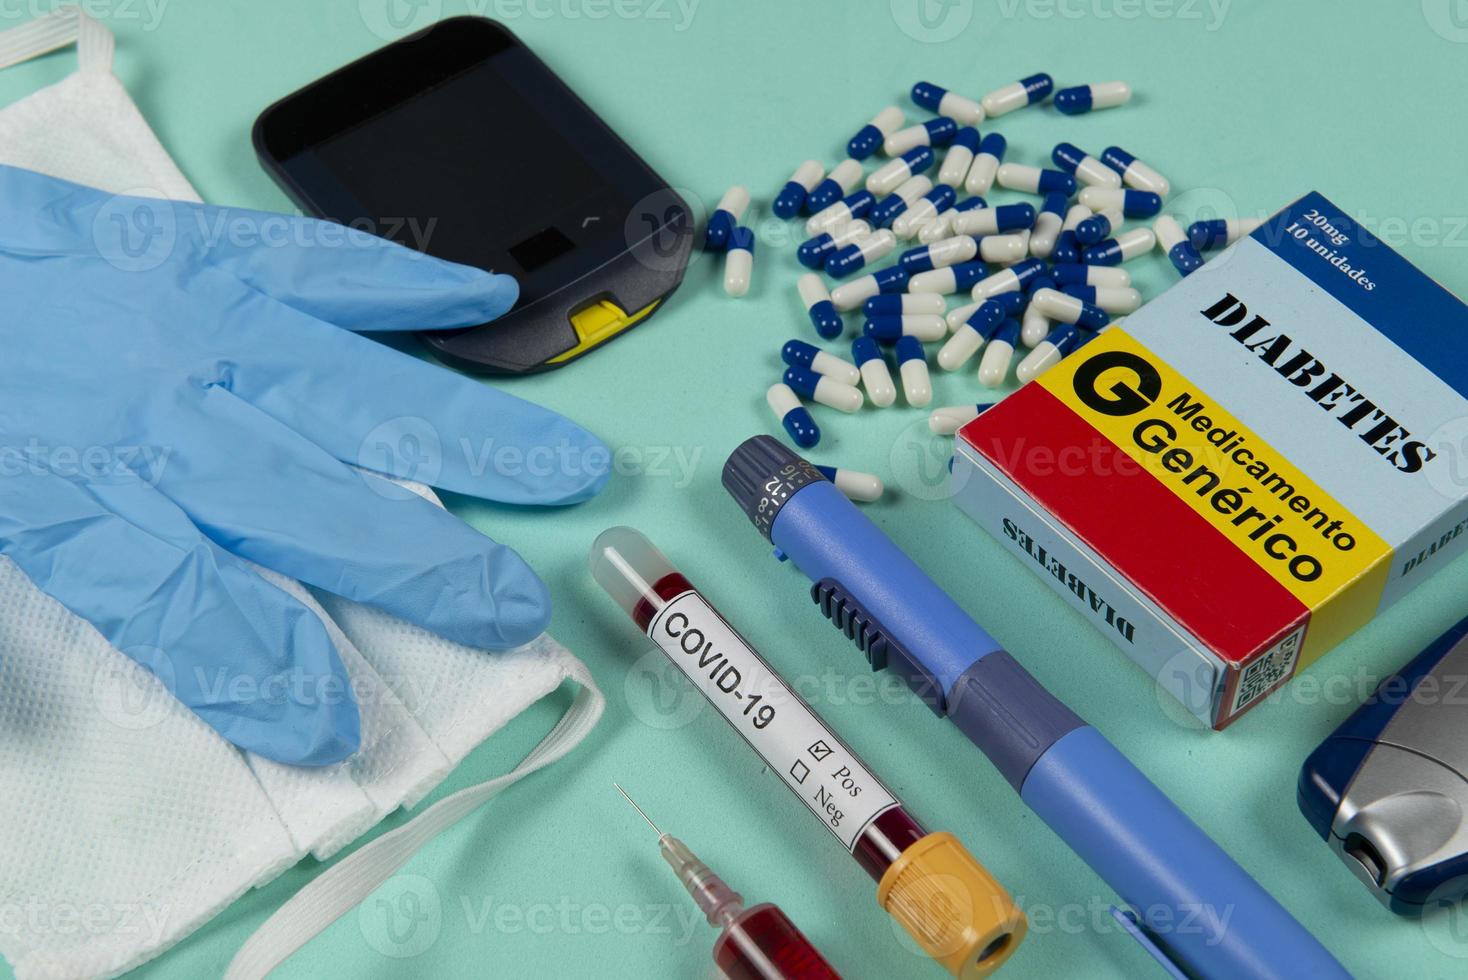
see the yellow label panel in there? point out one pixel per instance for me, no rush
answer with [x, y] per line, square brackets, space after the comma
[1269, 509]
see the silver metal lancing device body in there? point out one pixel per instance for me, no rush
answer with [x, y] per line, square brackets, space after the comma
[1388, 790]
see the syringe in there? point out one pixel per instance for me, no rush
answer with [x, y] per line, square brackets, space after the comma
[945, 899]
[758, 943]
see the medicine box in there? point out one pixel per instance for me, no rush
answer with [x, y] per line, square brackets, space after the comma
[1231, 480]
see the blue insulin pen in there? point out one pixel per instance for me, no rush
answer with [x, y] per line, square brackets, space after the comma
[1188, 903]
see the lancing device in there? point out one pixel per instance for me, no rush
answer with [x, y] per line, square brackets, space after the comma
[1388, 790]
[1195, 910]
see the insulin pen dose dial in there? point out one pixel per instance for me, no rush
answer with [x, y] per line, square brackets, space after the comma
[778, 488]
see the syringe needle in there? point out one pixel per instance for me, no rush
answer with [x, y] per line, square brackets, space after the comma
[638, 809]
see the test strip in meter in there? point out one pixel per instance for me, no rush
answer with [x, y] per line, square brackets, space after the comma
[834, 784]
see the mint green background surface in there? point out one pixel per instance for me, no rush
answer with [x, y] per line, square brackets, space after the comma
[1253, 102]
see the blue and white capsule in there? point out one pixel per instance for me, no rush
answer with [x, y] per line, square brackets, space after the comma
[1011, 302]
[875, 376]
[939, 100]
[1004, 249]
[827, 391]
[959, 158]
[923, 210]
[1077, 274]
[798, 353]
[925, 328]
[739, 262]
[794, 416]
[1065, 308]
[814, 252]
[1013, 279]
[1084, 167]
[894, 205]
[949, 419]
[1048, 222]
[850, 295]
[1116, 300]
[1026, 91]
[1048, 352]
[1024, 238]
[855, 485]
[1033, 180]
[1123, 248]
[1041, 280]
[947, 280]
[1034, 325]
[870, 137]
[934, 132]
[726, 217]
[941, 227]
[1078, 99]
[818, 306]
[912, 369]
[939, 255]
[1099, 226]
[904, 304]
[793, 195]
[855, 205]
[855, 256]
[1219, 232]
[994, 365]
[970, 335]
[1174, 243]
[994, 221]
[1135, 173]
[1133, 204]
[1067, 247]
[986, 164]
[860, 487]
[892, 174]
[838, 183]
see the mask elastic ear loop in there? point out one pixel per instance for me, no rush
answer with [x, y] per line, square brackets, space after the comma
[94, 45]
[47, 33]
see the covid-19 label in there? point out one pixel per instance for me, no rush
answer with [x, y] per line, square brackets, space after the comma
[777, 724]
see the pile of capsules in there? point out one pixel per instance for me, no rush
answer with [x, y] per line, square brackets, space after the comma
[1047, 280]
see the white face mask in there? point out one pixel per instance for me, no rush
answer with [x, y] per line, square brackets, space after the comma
[84, 128]
[127, 822]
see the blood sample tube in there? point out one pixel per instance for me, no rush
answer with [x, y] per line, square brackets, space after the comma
[975, 925]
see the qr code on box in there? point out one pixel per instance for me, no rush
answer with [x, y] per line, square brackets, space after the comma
[1271, 668]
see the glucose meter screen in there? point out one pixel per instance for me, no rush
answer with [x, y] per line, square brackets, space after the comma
[472, 170]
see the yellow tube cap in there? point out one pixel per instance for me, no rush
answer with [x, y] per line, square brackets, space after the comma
[952, 906]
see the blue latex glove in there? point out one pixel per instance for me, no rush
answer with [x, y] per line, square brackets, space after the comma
[177, 392]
